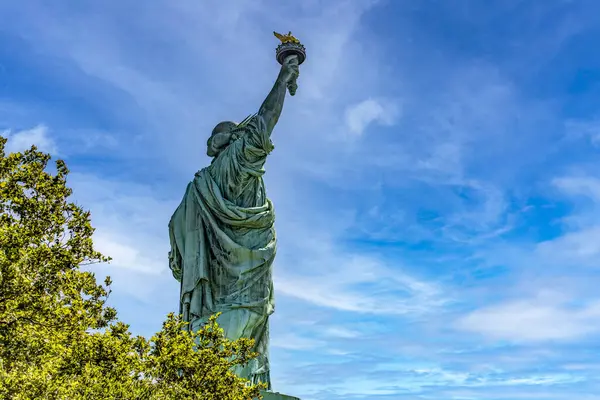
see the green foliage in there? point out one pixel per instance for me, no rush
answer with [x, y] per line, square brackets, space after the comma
[58, 339]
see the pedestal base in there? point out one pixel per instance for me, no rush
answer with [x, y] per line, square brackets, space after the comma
[277, 396]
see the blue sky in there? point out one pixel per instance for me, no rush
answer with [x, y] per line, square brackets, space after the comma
[436, 177]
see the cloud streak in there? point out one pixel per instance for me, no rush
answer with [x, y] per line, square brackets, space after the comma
[22, 140]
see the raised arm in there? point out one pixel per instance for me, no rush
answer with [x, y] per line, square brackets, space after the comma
[271, 108]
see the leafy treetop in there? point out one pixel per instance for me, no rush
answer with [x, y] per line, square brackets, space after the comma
[58, 338]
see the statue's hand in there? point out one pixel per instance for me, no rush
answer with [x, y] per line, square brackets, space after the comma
[290, 69]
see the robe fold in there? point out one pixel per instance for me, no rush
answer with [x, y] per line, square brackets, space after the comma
[223, 245]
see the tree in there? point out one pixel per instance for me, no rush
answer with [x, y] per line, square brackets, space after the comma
[58, 338]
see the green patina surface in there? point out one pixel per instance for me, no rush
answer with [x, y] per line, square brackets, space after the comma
[223, 240]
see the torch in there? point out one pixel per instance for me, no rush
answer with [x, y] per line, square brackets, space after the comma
[289, 46]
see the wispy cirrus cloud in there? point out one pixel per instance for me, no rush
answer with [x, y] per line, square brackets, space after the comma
[589, 130]
[359, 116]
[21, 140]
[535, 319]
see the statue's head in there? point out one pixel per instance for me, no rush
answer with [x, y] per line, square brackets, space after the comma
[220, 138]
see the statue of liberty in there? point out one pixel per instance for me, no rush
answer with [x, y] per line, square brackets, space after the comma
[222, 234]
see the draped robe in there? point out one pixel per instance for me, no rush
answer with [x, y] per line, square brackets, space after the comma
[223, 245]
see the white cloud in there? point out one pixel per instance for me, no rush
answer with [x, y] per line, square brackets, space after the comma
[579, 186]
[416, 380]
[359, 116]
[588, 130]
[355, 283]
[579, 245]
[24, 139]
[481, 215]
[341, 332]
[543, 318]
[131, 227]
[125, 256]
[578, 248]
[443, 158]
[292, 341]
[86, 141]
[337, 352]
